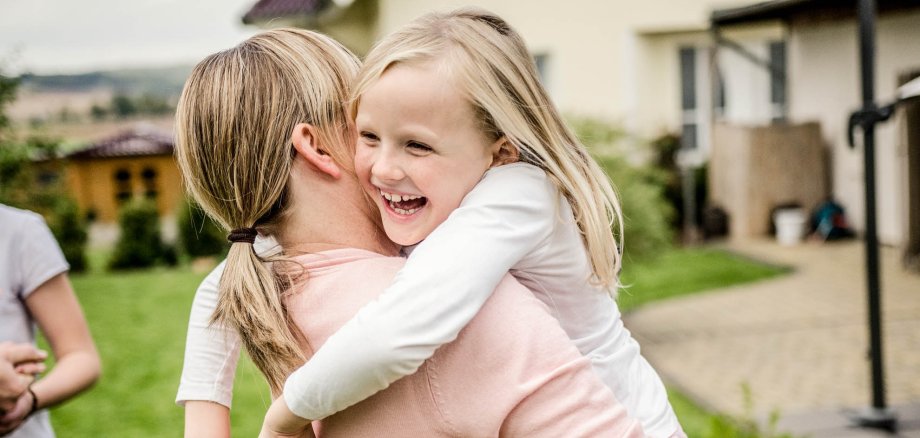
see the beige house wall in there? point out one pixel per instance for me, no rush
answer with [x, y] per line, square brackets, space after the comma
[824, 86]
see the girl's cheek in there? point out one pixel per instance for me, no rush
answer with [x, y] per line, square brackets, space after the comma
[362, 162]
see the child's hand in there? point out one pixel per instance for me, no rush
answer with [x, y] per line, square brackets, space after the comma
[18, 364]
[13, 418]
[280, 422]
[30, 369]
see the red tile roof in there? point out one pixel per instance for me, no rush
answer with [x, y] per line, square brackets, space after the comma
[128, 144]
[268, 9]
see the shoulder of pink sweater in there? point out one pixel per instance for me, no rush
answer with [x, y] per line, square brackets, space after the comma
[514, 371]
[352, 284]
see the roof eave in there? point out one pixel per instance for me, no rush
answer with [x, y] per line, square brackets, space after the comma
[764, 11]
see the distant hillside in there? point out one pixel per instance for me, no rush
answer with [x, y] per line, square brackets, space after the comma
[164, 81]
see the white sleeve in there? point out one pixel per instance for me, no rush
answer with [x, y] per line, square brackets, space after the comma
[442, 286]
[211, 351]
[39, 257]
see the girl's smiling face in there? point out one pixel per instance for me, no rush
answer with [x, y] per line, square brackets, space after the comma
[420, 149]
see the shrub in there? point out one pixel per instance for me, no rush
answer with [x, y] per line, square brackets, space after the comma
[640, 189]
[139, 244]
[666, 148]
[199, 235]
[646, 213]
[70, 232]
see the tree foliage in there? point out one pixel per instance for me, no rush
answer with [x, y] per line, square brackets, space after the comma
[30, 178]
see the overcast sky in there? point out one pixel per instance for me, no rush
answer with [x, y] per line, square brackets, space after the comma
[73, 36]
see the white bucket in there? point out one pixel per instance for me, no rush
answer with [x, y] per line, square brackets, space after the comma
[790, 225]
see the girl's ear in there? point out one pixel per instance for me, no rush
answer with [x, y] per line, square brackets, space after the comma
[306, 143]
[503, 152]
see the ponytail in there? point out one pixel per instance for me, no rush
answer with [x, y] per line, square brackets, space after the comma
[251, 303]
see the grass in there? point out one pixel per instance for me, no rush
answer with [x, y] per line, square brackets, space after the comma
[685, 271]
[695, 420]
[138, 320]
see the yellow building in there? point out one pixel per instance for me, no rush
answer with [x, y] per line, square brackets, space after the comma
[133, 164]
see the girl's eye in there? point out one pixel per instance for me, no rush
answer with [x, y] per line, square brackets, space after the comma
[369, 137]
[419, 148]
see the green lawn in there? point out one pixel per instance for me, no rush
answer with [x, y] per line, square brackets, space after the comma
[138, 320]
[684, 271]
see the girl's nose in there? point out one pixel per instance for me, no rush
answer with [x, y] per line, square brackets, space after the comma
[387, 167]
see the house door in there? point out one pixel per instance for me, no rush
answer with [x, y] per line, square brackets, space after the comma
[912, 139]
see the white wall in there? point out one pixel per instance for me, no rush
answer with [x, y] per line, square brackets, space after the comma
[825, 86]
[747, 85]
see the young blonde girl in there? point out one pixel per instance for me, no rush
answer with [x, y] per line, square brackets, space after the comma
[547, 218]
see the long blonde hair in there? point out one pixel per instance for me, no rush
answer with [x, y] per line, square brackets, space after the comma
[490, 62]
[233, 125]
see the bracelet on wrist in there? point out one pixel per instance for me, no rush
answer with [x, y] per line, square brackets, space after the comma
[34, 401]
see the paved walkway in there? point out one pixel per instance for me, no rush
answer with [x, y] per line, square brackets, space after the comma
[798, 342]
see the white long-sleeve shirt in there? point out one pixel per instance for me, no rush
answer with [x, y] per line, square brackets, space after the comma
[513, 220]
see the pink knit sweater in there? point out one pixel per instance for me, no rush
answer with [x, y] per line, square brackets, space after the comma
[511, 372]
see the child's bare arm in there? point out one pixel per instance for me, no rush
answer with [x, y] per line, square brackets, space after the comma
[205, 419]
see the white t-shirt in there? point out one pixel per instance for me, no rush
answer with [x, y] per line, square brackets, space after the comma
[29, 257]
[513, 220]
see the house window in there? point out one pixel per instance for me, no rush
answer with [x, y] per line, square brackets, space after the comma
[719, 95]
[149, 177]
[778, 80]
[688, 105]
[122, 185]
[47, 177]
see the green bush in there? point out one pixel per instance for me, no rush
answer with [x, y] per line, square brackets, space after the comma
[70, 232]
[199, 235]
[666, 148]
[646, 213]
[139, 244]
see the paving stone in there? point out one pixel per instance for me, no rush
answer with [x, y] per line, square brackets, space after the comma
[800, 342]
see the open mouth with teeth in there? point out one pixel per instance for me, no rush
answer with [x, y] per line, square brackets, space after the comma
[404, 204]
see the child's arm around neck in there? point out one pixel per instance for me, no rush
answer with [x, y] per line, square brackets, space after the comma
[444, 283]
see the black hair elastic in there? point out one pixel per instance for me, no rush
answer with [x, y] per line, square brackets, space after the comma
[247, 235]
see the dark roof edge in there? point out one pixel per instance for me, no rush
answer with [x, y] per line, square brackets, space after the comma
[769, 10]
[158, 143]
[265, 11]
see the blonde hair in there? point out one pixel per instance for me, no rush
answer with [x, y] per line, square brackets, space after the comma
[491, 63]
[233, 125]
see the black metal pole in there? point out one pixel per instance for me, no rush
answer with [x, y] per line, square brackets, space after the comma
[878, 415]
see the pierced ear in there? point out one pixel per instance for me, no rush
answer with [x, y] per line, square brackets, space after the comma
[306, 143]
[503, 152]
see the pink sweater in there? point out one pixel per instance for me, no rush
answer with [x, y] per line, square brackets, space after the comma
[511, 372]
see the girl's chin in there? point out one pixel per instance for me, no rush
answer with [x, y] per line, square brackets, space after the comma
[402, 237]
